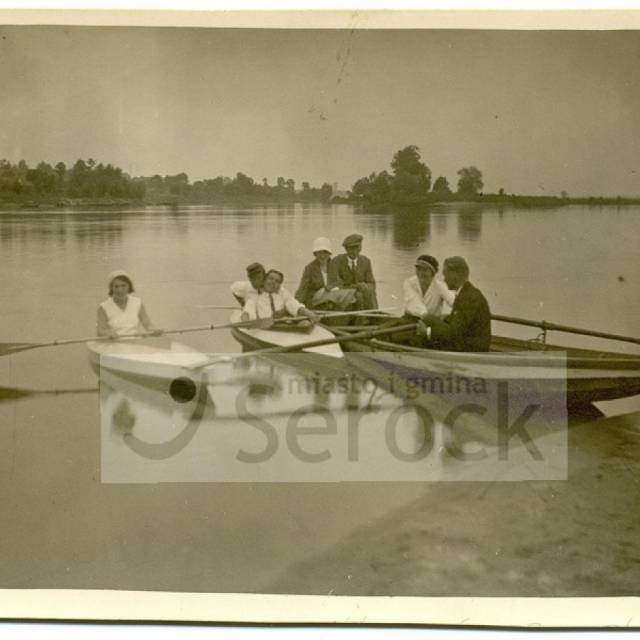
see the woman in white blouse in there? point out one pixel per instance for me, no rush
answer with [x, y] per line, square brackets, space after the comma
[424, 293]
[123, 314]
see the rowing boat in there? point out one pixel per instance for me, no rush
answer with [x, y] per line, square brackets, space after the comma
[281, 335]
[584, 375]
[153, 357]
[157, 363]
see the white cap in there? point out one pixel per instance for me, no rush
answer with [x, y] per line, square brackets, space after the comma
[322, 244]
[117, 273]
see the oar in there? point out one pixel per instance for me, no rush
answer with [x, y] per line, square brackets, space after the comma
[363, 335]
[17, 393]
[363, 312]
[322, 314]
[9, 348]
[215, 306]
[550, 326]
[335, 314]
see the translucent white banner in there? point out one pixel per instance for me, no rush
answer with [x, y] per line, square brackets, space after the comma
[304, 418]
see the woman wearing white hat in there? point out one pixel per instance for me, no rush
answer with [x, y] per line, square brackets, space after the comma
[123, 314]
[320, 285]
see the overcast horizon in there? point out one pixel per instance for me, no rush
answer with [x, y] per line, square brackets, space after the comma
[537, 112]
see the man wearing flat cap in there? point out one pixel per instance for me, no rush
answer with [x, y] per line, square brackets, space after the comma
[468, 327]
[354, 272]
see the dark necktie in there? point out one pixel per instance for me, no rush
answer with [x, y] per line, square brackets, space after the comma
[273, 306]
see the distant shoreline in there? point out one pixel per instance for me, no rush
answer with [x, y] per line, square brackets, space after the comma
[116, 203]
[524, 202]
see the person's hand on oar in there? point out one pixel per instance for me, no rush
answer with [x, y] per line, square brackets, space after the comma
[264, 323]
[310, 315]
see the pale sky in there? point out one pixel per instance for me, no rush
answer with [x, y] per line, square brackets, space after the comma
[537, 112]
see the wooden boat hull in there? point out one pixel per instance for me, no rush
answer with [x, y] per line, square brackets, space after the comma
[325, 358]
[583, 376]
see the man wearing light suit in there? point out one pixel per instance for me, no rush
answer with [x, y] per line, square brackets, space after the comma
[354, 271]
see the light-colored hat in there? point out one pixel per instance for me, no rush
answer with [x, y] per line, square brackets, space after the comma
[322, 244]
[117, 274]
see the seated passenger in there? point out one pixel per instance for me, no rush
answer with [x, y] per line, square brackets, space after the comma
[242, 289]
[320, 286]
[423, 293]
[123, 314]
[274, 301]
[468, 327]
[354, 271]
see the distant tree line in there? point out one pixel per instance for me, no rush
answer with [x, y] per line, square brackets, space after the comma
[222, 189]
[410, 182]
[85, 179]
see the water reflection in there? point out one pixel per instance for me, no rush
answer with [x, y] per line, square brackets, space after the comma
[180, 218]
[86, 228]
[411, 228]
[470, 223]
[252, 420]
[255, 420]
[243, 224]
[440, 221]
[407, 228]
[123, 419]
[372, 222]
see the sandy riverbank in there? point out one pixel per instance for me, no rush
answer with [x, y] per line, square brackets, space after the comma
[564, 538]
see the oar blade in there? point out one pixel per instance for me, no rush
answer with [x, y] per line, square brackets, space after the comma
[17, 393]
[7, 348]
[12, 393]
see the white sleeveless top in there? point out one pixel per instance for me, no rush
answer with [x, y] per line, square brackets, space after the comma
[124, 322]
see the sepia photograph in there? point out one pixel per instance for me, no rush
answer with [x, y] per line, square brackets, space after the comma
[342, 309]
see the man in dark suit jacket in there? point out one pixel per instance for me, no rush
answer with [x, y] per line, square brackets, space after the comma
[320, 286]
[354, 270]
[468, 327]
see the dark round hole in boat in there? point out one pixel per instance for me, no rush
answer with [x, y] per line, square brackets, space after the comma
[182, 389]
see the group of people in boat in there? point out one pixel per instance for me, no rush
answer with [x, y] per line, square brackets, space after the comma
[449, 312]
[342, 283]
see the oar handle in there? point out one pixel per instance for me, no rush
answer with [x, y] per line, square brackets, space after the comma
[551, 326]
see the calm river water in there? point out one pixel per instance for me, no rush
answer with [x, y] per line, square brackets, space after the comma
[64, 528]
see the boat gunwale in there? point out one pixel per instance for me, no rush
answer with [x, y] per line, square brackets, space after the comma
[573, 358]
